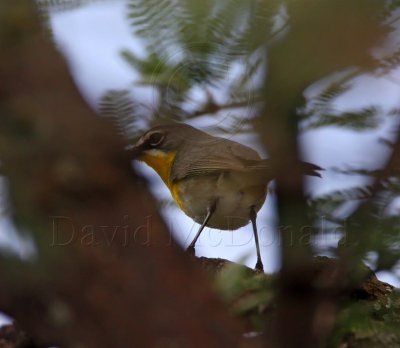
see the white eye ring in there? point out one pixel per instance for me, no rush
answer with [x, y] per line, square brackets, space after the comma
[155, 138]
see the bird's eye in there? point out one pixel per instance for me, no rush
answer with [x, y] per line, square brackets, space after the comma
[155, 139]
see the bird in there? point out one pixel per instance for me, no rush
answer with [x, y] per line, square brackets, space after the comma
[217, 182]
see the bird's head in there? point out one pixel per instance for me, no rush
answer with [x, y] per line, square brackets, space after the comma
[162, 140]
[158, 146]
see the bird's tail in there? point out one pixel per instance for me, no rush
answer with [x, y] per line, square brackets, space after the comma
[265, 168]
[311, 169]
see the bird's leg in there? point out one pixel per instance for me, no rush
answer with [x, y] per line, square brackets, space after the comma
[210, 211]
[253, 217]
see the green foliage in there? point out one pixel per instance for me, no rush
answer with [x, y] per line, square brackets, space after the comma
[366, 118]
[62, 5]
[391, 62]
[392, 5]
[368, 314]
[249, 294]
[369, 323]
[380, 231]
[118, 106]
[210, 30]
[328, 203]
[201, 48]
[217, 48]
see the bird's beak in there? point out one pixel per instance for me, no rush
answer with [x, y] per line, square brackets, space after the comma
[136, 151]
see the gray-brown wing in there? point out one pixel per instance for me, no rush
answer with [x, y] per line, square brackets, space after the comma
[213, 155]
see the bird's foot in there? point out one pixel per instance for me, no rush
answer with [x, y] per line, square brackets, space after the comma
[191, 250]
[259, 267]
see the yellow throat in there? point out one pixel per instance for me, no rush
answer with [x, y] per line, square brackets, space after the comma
[162, 163]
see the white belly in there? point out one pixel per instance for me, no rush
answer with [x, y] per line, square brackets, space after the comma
[233, 194]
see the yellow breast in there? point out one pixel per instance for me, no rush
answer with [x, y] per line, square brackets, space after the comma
[162, 163]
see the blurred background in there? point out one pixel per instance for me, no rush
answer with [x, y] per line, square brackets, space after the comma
[222, 67]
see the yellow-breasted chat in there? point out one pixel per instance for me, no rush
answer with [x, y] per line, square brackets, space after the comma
[217, 182]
